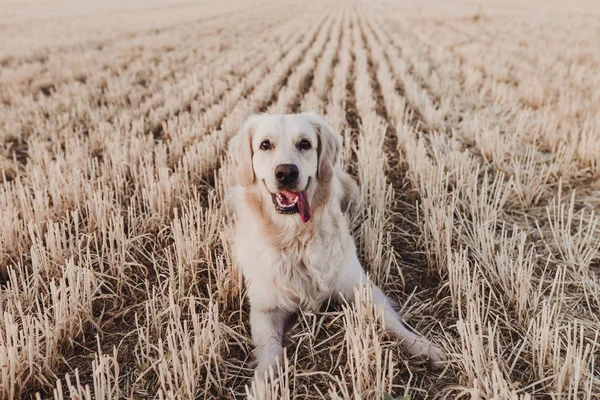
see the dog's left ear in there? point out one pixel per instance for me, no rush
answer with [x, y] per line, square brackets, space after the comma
[328, 151]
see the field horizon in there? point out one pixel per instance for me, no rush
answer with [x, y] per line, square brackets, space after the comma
[472, 129]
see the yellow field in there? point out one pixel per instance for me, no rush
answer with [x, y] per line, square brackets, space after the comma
[473, 130]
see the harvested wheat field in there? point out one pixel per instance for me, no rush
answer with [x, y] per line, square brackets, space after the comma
[473, 131]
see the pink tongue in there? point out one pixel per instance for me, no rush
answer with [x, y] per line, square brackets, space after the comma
[303, 206]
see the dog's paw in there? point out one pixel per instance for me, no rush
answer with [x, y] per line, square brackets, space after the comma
[266, 372]
[423, 349]
[267, 362]
[436, 357]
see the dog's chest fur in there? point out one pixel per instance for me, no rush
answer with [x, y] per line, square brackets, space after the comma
[305, 264]
[293, 266]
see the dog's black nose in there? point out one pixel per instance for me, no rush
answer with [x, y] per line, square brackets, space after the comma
[286, 173]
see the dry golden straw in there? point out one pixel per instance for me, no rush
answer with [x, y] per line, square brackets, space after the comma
[473, 131]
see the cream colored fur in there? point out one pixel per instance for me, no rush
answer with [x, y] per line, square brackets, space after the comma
[289, 265]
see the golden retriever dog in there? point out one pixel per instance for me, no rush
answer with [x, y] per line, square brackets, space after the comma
[292, 239]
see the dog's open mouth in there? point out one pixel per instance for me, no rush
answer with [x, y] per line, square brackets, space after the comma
[288, 202]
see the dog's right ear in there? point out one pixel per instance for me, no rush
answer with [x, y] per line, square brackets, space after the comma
[240, 150]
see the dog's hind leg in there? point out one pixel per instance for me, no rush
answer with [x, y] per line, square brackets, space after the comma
[267, 334]
[415, 345]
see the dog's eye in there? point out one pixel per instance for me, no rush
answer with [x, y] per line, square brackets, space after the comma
[304, 144]
[265, 145]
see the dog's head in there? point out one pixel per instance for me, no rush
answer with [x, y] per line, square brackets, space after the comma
[287, 157]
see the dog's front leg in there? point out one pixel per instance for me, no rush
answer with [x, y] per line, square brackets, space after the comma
[267, 334]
